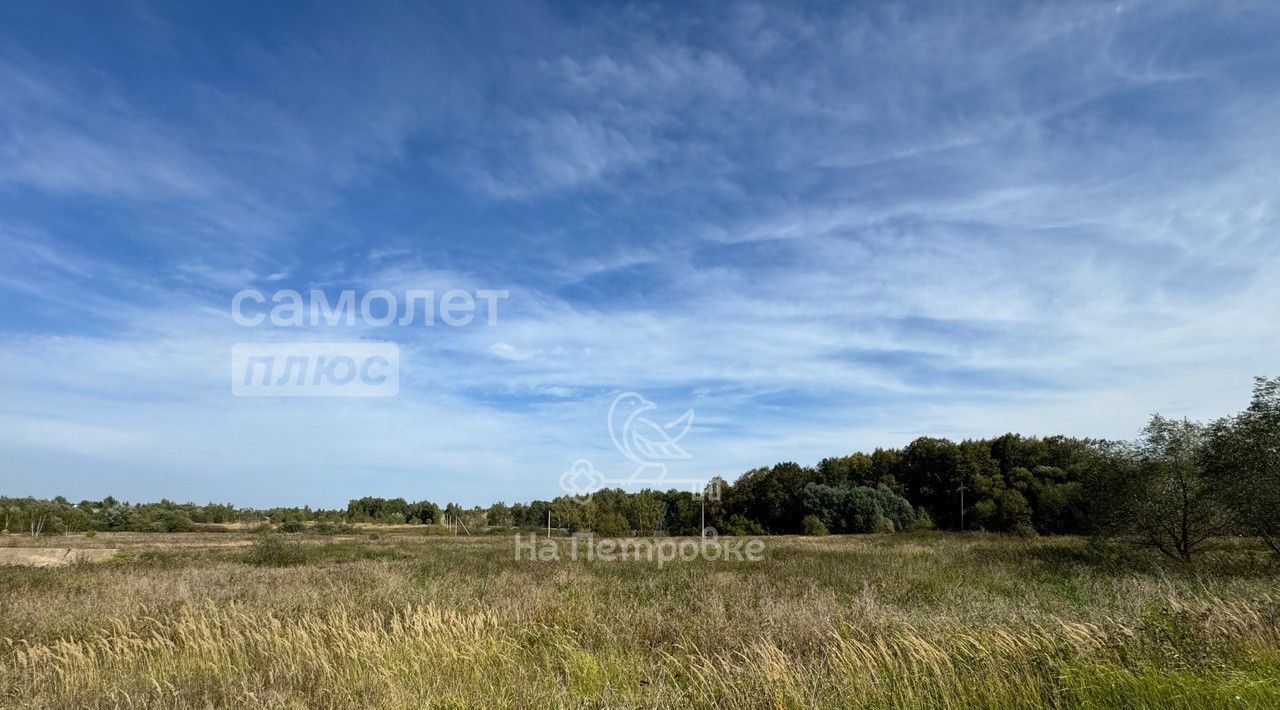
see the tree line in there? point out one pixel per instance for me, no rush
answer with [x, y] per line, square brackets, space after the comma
[1177, 486]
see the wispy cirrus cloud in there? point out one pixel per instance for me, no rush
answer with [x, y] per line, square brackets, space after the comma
[824, 228]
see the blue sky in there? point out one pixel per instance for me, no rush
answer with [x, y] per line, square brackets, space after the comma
[823, 227]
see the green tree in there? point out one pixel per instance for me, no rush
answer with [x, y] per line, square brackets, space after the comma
[1244, 463]
[611, 524]
[1157, 490]
[931, 473]
[1015, 512]
[498, 514]
[424, 512]
[649, 510]
[771, 497]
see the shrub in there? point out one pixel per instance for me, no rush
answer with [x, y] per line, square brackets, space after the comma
[1024, 530]
[857, 509]
[860, 508]
[923, 521]
[811, 525]
[1015, 511]
[894, 507]
[738, 524]
[291, 526]
[91, 533]
[982, 515]
[274, 551]
[167, 521]
[882, 525]
[1060, 508]
[325, 527]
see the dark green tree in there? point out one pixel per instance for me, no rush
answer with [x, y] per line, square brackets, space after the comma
[1244, 463]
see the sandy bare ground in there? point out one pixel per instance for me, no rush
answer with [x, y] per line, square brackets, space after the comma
[51, 556]
[194, 542]
[233, 537]
[137, 541]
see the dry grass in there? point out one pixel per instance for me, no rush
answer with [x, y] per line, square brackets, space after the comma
[51, 556]
[883, 622]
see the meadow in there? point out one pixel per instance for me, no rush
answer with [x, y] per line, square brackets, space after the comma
[399, 619]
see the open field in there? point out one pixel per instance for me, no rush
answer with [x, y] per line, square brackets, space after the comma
[897, 621]
[52, 556]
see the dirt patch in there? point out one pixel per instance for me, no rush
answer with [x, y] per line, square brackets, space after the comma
[131, 540]
[51, 556]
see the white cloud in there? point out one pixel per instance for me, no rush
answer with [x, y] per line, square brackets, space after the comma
[821, 231]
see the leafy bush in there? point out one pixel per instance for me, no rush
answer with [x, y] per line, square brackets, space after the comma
[274, 551]
[982, 515]
[291, 526]
[1061, 507]
[857, 509]
[894, 507]
[1015, 511]
[811, 525]
[738, 524]
[882, 525]
[325, 527]
[1024, 530]
[167, 521]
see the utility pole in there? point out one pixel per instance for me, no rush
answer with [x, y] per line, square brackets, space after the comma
[961, 506]
[704, 515]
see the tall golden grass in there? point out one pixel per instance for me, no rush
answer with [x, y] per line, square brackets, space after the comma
[932, 622]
